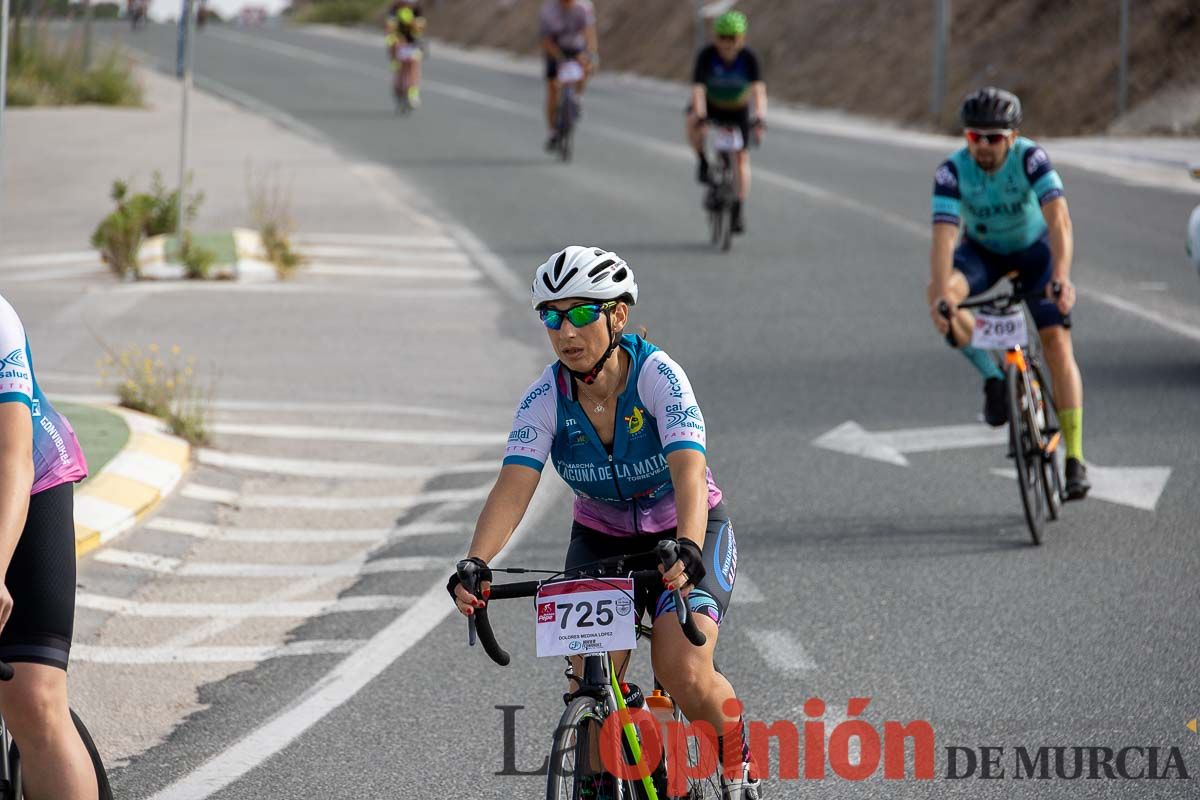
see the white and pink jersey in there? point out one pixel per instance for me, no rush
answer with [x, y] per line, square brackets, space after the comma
[57, 457]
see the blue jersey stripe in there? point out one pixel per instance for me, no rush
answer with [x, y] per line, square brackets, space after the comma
[524, 461]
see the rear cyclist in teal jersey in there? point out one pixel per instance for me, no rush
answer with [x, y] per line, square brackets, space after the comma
[39, 461]
[1002, 191]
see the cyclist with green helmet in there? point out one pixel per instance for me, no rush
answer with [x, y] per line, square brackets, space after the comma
[726, 82]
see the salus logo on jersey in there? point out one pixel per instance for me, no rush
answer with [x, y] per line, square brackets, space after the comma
[13, 366]
[680, 417]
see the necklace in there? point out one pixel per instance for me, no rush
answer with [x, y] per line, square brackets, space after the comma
[599, 409]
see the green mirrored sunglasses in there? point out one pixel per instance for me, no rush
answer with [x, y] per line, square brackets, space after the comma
[579, 316]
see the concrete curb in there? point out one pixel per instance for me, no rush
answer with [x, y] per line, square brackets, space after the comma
[132, 484]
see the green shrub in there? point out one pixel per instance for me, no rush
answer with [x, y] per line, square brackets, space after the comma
[42, 71]
[271, 212]
[197, 259]
[161, 384]
[119, 235]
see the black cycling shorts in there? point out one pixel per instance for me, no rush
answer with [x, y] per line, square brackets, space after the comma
[41, 580]
[711, 597]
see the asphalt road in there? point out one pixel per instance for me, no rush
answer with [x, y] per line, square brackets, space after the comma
[914, 586]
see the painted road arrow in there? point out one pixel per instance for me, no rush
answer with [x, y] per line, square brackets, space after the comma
[890, 446]
[1136, 487]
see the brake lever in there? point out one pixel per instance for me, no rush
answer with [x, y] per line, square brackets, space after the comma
[468, 576]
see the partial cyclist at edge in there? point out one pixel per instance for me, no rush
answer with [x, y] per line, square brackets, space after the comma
[405, 26]
[40, 459]
[1003, 192]
[568, 29]
[621, 424]
[727, 82]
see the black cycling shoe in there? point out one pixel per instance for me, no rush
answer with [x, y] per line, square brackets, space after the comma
[702, 171]
[1078, 484]
[738, 225]
[995, 402]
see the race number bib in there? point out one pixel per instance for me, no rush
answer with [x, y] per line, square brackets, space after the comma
[407, 52]
[1000, 331]
[570, 72]
[728, 140]
[584, 616]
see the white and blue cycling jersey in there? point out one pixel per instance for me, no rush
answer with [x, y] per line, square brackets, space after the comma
[628, 491]
[1003, 210]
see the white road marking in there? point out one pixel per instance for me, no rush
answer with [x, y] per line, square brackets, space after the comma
[147, 469]
[147, 561]
[211, 655]
[1136, 487]
[220, 569]
[746, 591]
[445, 253]
[209, 494]
[101, 515]
[307, 240]
[44, 259]
[311, 433]
[303, 609]
[782, 651]
[314, 468]
[889, 446]
[1121, 304]
[53, 274]
[394, 273]
[202, 530]
[342, 683]
[227, 497]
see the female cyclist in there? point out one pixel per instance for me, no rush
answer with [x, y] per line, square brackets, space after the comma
[39, 460]
[618, 418]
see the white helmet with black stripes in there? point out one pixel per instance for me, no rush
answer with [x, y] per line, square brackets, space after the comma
[585, 272]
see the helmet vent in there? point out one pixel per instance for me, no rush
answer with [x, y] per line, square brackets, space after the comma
[620, 275]
[558, 263]
[601, 267]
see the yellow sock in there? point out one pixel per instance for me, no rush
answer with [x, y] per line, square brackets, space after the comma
[1071, 420]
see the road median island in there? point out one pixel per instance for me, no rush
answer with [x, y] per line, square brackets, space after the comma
[130, 484]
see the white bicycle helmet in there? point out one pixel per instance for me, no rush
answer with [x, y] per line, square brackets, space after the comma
[586, 272]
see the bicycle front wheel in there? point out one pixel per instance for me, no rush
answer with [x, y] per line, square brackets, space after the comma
[1052, 461]
[569, 755]
[1026, 453]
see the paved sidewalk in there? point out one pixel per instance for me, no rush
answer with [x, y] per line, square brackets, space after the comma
[55, 203]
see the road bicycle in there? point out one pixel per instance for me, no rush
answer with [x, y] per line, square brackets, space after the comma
[407, 56]
[1002, 325]
[570, 76]
[575, 772]
[725, 142]
[11, 785]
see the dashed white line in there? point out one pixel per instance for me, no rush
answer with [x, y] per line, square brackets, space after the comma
[314, 468]
[220, 569]
[417, 242]
[202, 530]
[302, 609]
[306, 502]
[781, 650]
[323, 434]
[43, 259]
[445, 253]
[211, 655]
[454, 274]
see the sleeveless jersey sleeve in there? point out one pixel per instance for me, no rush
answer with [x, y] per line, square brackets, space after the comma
[668, 396]
[947, 200]
[1043, 178]
[534, 424]
[16, 375]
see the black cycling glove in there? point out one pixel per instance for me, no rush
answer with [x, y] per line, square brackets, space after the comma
[485, 574]
[693, 561]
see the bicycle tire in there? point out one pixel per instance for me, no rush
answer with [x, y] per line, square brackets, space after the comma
[562, 778]
[706, 788]
[716, 220]
[1026, 455]
[14, 791]
[566, 123]
[105, 791]
[727, 233]
[1052, 463]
